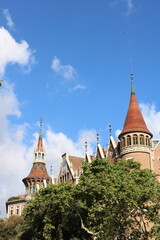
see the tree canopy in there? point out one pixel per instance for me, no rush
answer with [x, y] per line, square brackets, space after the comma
[10, 228]
[111, 202]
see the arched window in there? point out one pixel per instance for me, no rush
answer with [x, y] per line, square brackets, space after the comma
[135, 139]
[42, 155]
[35, 155]
[141, 139]
[128, 140]
[124, 142]
[39, 155]
[147, 141]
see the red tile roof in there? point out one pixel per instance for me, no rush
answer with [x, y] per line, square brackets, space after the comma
[134, 120]
[38, 171]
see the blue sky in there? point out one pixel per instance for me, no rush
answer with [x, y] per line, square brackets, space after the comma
[70, 61]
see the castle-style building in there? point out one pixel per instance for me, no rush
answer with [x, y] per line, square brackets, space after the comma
[135, 141]
[37, 178]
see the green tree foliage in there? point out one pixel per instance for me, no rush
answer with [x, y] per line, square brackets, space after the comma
[118, 201]
[111, 202]
[10, 228]
[51, 215]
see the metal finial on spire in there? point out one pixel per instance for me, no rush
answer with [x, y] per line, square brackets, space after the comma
[86, 146]
[51, 170]
[131, 77]
[110, 130]
[41, 122]
[132, 83]
[97, 138]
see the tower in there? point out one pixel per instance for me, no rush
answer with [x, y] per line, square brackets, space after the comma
[135, 138]
[38, 176]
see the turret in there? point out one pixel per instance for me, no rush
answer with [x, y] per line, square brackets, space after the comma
[135, 138]
[38, 176]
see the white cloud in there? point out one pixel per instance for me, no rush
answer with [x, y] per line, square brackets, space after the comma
[58, 143]
[7, 16]
[130, 7]
[77, 87]
[67, 71]
[12, 52]
[17, 157]
[12, 150]
[117, 132]
[151, 117]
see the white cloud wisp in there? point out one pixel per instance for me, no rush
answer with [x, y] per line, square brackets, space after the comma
[8, 18]
[130, 7]
[13, 52]
[67, 71]
[152, 118]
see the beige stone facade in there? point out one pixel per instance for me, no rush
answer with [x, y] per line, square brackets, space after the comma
[15, 207]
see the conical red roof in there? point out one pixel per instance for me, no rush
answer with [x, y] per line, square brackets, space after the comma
[38, 171]
[134, 120]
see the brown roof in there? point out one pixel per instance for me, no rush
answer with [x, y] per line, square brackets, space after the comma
[38, 171]
[76, 162]
[134, 120]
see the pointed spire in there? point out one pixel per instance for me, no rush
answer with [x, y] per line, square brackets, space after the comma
[40, 142]
[134, 120]
[132, 84]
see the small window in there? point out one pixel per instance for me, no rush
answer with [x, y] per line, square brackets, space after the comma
[35, 155]
[147, 141]
[11, 212]
[128, 140]
[39, 155]
[123, 142]
[17, 210]
[135, 139]
[42, 155]
[141, 139]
